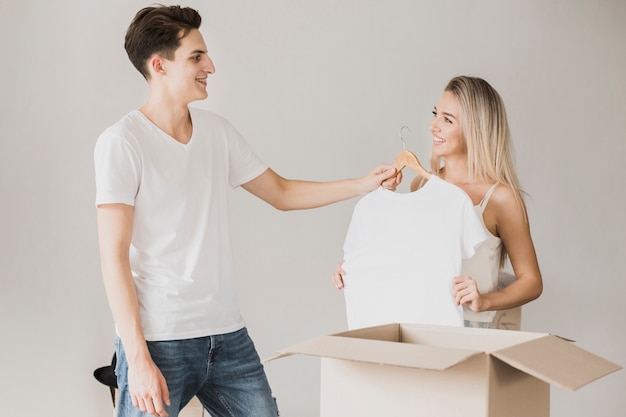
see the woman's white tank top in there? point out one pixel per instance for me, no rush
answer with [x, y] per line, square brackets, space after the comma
[484, 266]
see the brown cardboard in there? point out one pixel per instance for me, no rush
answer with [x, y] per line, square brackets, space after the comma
[408, 370]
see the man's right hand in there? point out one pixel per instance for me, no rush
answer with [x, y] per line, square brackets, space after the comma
[147, 387]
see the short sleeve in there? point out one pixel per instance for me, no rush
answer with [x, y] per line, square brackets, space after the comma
[473, 231]
[244, 165]
[117, 170]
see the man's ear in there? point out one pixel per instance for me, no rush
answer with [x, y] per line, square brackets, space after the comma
[156, 65]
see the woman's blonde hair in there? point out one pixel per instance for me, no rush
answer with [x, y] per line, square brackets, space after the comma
[484, 126]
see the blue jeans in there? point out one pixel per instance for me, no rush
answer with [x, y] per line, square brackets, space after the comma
[223, 371]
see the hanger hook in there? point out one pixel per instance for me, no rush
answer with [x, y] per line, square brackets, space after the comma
[401, 138]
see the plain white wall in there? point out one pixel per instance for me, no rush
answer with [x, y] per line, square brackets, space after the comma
[320, 89]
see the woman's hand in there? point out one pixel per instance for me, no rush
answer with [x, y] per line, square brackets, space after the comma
[465, 292]
[338, 276]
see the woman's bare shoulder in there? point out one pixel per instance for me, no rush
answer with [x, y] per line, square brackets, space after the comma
[417, 183]
[506, 202]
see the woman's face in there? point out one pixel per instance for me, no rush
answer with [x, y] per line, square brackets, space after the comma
[446, 129]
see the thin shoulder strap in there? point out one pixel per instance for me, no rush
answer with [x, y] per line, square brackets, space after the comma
[422, 181]
[483, 203]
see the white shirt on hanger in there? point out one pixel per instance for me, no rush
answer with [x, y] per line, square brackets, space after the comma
[402, 251]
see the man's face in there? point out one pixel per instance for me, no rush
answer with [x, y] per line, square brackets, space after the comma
[186, 75]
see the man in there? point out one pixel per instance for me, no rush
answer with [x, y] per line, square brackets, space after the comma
[162, 177]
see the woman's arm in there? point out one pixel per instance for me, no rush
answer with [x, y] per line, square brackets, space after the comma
[508, 219]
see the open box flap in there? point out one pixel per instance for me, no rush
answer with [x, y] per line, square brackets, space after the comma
[379, 352]
[557, 361]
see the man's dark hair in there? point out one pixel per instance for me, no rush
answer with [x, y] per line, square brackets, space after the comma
[158, 30]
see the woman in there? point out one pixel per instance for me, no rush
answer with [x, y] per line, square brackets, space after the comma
[472, 150]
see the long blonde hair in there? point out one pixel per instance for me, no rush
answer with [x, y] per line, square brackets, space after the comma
[484, 126]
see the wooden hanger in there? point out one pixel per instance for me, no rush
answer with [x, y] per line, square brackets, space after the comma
[408, 159]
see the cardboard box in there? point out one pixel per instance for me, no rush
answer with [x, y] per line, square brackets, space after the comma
[413, 370]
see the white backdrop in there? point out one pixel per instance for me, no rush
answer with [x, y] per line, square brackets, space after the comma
[320, 89]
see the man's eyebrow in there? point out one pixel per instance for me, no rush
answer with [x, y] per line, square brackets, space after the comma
[197, 51]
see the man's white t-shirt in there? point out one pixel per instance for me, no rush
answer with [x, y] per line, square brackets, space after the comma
[402, 251]
[180, 251]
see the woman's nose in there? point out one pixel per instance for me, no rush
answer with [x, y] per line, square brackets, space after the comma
[434, 124]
